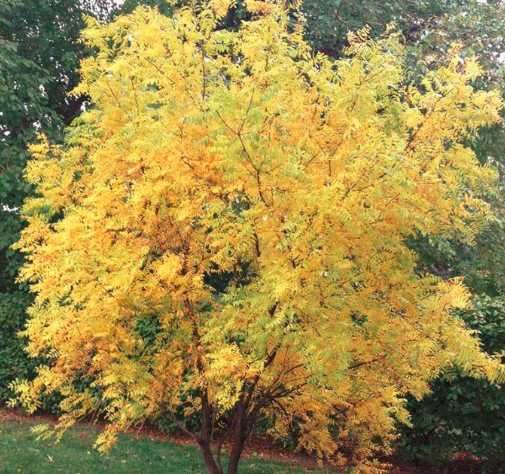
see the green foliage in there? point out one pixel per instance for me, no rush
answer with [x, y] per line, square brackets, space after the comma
[463, 414]
[13, 361]
[329, 21]
[23, 102]
[478, 26]
[162, 5]
[488, 319]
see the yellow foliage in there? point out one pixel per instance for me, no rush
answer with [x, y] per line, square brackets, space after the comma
[221, 7]
[226, 227]
[259, 6]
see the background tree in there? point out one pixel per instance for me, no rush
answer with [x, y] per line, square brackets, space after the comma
[462, 413]
[193, 165]
[39, 58]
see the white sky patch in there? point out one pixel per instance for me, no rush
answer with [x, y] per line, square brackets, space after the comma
[11, 210]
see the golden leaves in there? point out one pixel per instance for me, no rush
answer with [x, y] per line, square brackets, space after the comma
[169, 267]
[259, 6]
[221, 7]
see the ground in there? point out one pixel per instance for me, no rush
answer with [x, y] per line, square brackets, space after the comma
[141, 452]
[21, 452]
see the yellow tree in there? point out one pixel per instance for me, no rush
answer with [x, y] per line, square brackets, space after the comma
[222, 236]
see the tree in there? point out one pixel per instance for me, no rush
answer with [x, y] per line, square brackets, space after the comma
[223, 234]
[39, 57]
[22, 104]
[428, 26]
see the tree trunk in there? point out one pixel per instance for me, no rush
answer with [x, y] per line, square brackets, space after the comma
[209, 460]
[239, 437]
[235, 454]
[205, 438]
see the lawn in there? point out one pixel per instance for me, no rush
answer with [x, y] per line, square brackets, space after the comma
[21, 452]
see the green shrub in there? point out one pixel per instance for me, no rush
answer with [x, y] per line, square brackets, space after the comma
[14, 362]
[463, 414]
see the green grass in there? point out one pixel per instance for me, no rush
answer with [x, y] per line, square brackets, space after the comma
[21, 452]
